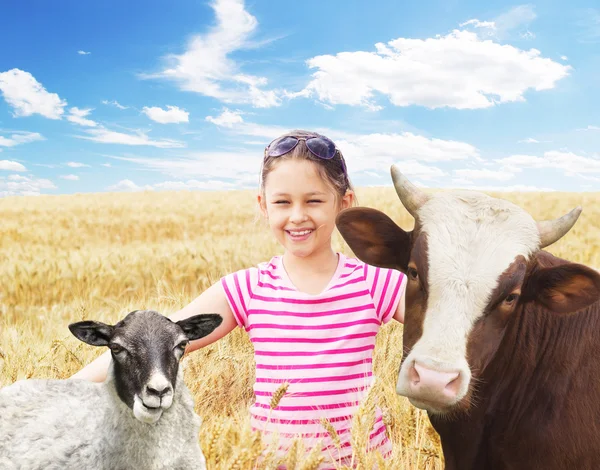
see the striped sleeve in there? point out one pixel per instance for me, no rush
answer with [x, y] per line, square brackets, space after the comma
[239, 287]
[386, 287]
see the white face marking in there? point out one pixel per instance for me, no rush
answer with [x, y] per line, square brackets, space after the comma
[472, 239]
[144, 414]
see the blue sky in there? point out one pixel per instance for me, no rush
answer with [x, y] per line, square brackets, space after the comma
[126, 96]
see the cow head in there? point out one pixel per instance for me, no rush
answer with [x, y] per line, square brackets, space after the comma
[468, 263]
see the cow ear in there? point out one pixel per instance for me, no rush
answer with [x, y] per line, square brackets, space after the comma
[565, 288]
[374, 237]
[92, 332]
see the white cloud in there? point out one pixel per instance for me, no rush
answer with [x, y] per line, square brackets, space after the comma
[590, 128]
[432, 73]
[529, 140]
[27, 96]
[234, 121]
[24, 186]
[564, 57]
[70, 177]
[106, 136]
[107, 165]
[227, 118]
[517, 18]
[521, 15]
[205, 67]
[17, 178]
[77, 165]
[479, 24]
[498, 175]
[462, 184]
[569, 163]
[114, 103]
[19, 137]
[172, 115]
[374, 152]
[363, 153]
[527, 35]
[238, 166]
[11, 166]
[83, 52]
[128, 185]
[411, 152]
[78, 116]
[210, 185]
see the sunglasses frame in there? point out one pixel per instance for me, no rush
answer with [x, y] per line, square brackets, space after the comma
[306, 139]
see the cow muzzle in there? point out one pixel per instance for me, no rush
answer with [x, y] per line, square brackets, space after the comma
[431, 387]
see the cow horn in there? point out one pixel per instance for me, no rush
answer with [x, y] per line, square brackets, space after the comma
[412, 198]
[553, 230]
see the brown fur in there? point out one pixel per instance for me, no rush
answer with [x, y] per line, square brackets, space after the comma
[534, 401]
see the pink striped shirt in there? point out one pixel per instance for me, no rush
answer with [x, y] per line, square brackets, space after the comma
[322, 345]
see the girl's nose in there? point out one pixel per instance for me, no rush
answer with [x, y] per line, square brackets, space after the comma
[298, 216]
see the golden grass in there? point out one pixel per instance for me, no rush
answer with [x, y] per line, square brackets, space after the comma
[66, 258]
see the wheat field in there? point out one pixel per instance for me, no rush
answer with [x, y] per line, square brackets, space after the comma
[100, 256]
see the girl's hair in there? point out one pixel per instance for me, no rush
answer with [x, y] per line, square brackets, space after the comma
[333, 171]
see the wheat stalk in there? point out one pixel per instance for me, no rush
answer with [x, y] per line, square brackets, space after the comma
[278, 395]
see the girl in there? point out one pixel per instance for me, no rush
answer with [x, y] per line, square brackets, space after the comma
[312, 314]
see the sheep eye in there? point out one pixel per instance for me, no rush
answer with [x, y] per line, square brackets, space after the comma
[116, 349]
[182, 345]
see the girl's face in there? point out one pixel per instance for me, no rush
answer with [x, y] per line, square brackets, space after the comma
[301, 207]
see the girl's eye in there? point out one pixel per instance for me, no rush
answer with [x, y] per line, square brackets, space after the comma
[315, 200]
[280, 202]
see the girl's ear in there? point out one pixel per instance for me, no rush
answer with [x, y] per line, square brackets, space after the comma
[262, 205]
[347, 200]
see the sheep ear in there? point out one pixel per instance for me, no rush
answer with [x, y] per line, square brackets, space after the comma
[92, 332]
[199, 326]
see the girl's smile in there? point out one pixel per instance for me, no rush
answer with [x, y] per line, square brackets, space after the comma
[299, 235]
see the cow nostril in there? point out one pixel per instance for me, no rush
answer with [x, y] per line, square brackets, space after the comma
[413, 375]
[454, 385]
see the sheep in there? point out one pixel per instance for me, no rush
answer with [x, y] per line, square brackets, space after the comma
[141, 417]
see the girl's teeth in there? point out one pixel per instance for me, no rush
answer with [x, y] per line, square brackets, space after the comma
[299, 234]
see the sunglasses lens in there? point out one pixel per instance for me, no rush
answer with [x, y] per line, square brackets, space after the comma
[282, 146]
[321, 147]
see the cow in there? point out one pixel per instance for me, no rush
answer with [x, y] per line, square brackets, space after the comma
[501, 342]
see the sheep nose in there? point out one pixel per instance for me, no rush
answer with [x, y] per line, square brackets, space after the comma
[158, 386]
[158, 390]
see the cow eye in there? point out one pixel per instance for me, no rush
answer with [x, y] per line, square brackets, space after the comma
[511, 299]
[413, 274]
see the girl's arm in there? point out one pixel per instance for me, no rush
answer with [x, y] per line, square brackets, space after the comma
[212, 300]
[399, 314]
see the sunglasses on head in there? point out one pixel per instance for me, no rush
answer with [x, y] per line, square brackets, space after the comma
[320, 146]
